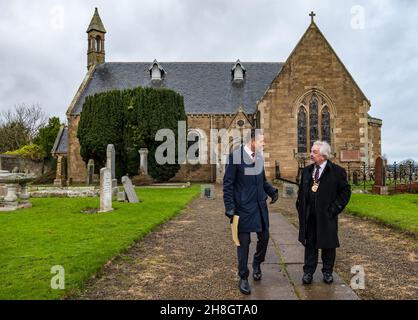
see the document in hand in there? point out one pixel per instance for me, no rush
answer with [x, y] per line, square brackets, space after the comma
[234, 228]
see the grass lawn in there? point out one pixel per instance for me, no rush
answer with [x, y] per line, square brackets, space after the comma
[399, 211]
[55, 232]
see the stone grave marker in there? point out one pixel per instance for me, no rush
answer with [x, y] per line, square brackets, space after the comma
[129, 190]
[105, 190]
[90, 172]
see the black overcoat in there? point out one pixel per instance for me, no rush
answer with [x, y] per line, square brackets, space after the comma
[246, 194]
[333, 195]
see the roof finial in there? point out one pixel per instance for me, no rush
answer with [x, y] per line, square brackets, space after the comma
[312, 15]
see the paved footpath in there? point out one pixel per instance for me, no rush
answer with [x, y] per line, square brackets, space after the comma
[193, 257]
[282, 270]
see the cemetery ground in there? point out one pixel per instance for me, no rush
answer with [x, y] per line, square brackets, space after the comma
[193, 257]
[190, 256]
[399, 211]
[55, 231]
[378, 233]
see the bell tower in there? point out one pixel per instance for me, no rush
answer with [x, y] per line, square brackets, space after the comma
[95, 41]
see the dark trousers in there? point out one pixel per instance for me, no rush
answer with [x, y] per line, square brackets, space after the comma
[243, 249]
[311, 252]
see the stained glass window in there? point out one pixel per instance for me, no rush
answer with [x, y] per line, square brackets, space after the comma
[326, 125]
[302, 143]
[313, 121]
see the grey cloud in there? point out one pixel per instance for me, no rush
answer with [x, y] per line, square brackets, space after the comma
[45, 63]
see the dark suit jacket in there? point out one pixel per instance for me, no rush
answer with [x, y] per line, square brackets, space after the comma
[333, 195]
[247, 194]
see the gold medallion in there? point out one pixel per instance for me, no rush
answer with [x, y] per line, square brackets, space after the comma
[315, 187]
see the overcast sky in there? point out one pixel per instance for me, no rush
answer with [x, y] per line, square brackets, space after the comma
[43, 46]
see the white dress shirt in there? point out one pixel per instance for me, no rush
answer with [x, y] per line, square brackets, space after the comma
[249, 152]
[321, 169]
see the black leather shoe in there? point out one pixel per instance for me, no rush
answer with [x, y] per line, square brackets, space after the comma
[328, 278]
[256, 272]
[307, 278]
[244, 286]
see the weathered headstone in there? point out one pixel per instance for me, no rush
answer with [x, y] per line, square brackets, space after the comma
[378, 169]
[105, 190]
[15, 170]
[121, 197]
[110, 164]
[129, 190]
[143, 160]
[110, 159]
[207, 191]
[90, 172]
[380, 174]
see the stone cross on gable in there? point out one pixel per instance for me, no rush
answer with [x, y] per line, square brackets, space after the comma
[312, 15]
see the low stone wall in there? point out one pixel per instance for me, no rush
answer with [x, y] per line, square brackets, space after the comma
[9, 162]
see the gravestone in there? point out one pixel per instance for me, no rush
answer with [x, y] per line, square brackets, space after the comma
[110, 163]
[129, 190]
[207, 191]
[380, 175]
[90, 172]
[105, 190]
[143, 160]
[121, 197]
[110, 159]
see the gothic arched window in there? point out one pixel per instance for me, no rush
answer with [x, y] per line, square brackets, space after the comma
[302, 131]
[326, 124]
[313, 121]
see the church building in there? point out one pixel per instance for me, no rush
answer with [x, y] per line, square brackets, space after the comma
[308, 97]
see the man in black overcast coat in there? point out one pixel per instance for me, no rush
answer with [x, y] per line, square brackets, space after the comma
[323, 194]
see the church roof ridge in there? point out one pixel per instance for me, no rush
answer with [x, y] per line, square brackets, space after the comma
[206, 87]
[199, 62]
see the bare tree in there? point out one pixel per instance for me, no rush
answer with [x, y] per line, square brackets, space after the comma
[20, 126]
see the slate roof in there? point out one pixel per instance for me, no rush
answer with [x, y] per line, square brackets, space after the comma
[207, 87]
[61, 142]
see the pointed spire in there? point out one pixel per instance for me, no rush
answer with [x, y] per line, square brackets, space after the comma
[96, 23]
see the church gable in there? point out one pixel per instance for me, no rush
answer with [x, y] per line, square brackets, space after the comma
[313, 97]
[313, 62]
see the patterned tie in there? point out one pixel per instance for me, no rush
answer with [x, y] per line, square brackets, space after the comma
[316, 177]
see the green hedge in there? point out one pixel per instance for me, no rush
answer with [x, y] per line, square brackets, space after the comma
[129, 119]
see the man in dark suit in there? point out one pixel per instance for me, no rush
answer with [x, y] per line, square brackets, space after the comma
[245, 193]
[323, 194]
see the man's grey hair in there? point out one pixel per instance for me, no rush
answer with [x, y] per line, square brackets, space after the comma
[324, 148]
